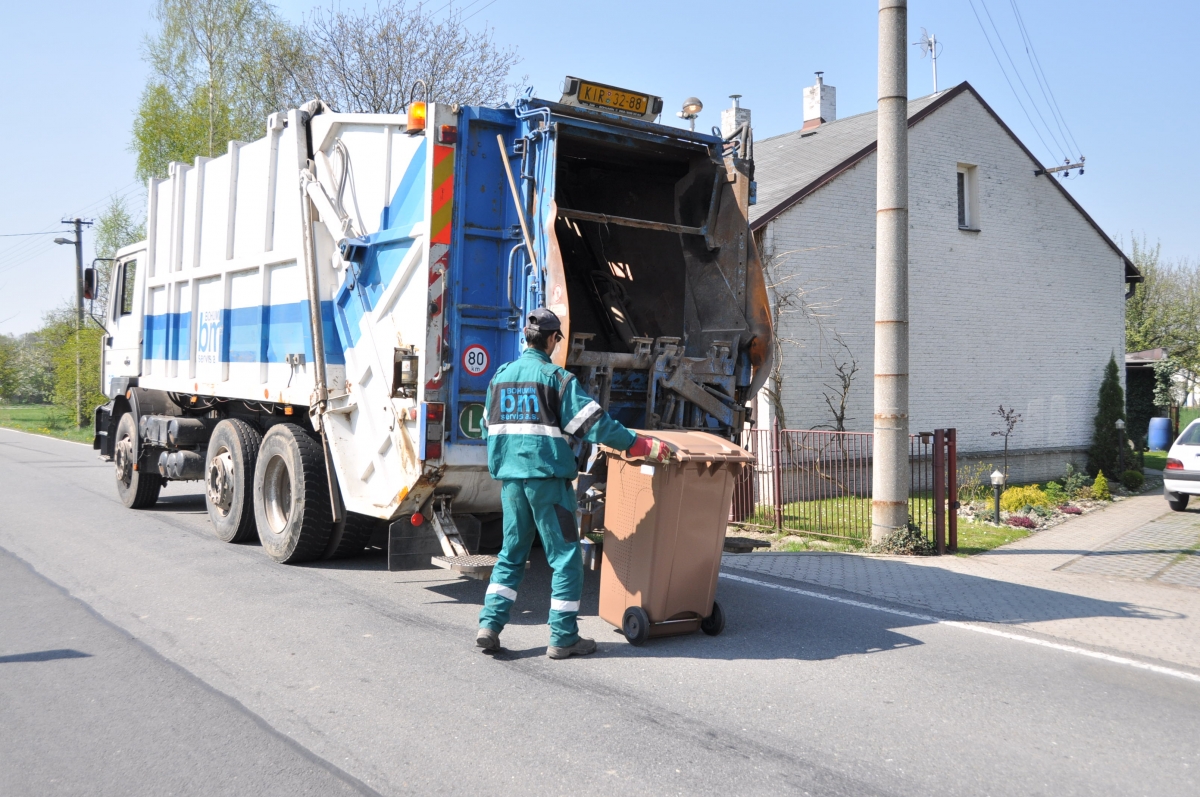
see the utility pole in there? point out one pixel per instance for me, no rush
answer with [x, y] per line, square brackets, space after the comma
[78, 310]
[890, 464]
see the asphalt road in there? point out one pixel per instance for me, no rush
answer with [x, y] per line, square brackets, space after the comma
[139, 655]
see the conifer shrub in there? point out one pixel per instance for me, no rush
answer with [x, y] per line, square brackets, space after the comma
[1106, 440]
[1015, 499]
[1100, 490]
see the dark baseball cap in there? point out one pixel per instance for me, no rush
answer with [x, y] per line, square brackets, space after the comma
[543, 320]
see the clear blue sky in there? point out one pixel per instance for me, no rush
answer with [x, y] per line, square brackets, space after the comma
[72, 73]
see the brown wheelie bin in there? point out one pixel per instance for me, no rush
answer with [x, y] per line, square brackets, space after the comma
[664, 530]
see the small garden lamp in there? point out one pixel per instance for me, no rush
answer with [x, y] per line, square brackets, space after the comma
[691, 109]
[998, 486]
[1120, 424]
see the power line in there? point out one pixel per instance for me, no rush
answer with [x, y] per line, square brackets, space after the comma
[1043, 81]
[1017, 72]
[481, 8]
[1004, 72]
[23, 234]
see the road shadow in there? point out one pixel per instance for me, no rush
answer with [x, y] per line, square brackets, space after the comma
[45, 655]
[767, 623]
[186, 504]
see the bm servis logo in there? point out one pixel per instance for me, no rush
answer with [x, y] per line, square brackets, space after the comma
[519, 403]
[208, 337]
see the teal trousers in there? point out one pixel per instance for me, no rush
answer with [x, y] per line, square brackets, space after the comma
[546, 506]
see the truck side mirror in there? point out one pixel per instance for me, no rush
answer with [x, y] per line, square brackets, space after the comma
[89, 284]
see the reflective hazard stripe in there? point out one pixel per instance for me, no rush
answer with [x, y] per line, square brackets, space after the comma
[524, 428]
[564, 606]
[503, 592]
[589, 410]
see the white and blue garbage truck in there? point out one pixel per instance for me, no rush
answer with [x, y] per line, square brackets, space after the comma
[311, 324]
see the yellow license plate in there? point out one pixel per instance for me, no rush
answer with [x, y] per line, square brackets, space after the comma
[616, 99]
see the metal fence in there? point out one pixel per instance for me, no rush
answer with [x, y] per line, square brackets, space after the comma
[819, 483]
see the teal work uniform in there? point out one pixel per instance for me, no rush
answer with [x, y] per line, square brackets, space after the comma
[532, 408]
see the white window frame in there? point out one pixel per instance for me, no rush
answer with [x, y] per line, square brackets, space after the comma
[968, 199]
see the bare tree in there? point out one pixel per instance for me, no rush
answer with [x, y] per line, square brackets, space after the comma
[789, 297]
[1009, 419]
[845, 369]
[367, 61]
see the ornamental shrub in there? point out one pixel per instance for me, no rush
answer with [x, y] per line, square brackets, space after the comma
[1073, 480]
[1014, 499]
[1100, 488]
[1133, 480]
[1070, 510]
[1020, 521]
[1106, 440]
[1056, 494]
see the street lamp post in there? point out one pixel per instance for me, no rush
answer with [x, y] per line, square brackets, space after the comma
[77, 242]
[691, 109]
[998, 487]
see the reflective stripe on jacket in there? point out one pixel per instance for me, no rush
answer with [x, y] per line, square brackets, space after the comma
[532, 408]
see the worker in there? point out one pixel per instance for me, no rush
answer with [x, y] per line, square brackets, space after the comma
[532, 408]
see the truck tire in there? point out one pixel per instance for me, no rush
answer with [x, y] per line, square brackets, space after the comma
[229, 479]
[350, 536]
[138, 490]
[291, 496]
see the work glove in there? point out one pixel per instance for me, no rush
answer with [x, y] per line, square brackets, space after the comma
[648, 448]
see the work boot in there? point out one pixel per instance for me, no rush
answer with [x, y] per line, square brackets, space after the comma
[580, 648]
[488, 639]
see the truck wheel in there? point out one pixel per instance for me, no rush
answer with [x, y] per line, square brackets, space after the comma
[229, 479]
[350, 536]
[635, 625]
[137, 490]
[291, 496]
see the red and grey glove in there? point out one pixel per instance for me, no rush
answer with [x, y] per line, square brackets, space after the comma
[649, 448]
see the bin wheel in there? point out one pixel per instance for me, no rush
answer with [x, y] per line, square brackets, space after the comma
[1177, 501]
[635, 625]
[715, 622]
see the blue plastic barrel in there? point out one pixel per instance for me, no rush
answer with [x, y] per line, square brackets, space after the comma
[1160, 434]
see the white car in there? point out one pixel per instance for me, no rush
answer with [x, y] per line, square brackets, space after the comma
[1181, 477]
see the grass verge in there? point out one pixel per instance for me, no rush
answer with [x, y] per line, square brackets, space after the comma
[976, 538]
[1156, 460]
[43, 419]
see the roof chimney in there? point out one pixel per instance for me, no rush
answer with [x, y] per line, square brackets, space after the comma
[734, 117]
[820, 104]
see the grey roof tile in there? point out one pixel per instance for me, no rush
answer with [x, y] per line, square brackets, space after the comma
[786, 163]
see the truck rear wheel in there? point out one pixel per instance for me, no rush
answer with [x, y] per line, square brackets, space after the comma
[291, 496]
[350, 536]
[229, 479]
[138, 490]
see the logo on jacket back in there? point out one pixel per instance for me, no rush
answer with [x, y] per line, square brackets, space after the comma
[519, 403]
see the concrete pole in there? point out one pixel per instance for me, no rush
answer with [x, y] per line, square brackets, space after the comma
[890, 467]
[78, 321]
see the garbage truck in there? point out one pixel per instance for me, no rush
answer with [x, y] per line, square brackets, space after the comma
[311, 323]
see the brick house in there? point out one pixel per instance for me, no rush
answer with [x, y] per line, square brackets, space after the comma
[1016, 295]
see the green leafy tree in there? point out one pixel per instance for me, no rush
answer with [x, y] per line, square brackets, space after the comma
[1164, 311]
[9, 350]
[116, 227]
[216, 72]
[1106, 440]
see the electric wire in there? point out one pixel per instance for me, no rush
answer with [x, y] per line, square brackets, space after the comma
[23, 234]
[481, 8]
[1004, 72]
[1043, 81]
[999, 37]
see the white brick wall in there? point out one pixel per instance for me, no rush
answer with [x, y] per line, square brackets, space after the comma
[1026, 312]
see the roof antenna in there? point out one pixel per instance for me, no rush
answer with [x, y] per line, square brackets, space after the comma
[929, 46]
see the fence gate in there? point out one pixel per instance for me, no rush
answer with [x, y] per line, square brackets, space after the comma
[819, 483]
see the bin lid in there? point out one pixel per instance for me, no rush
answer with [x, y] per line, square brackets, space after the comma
[694, 447]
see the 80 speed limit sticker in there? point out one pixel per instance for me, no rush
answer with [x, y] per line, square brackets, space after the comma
[476, 359]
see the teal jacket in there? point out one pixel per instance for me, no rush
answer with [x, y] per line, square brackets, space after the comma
[532, 408]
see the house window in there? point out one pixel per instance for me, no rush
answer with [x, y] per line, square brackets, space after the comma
[968, 199]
